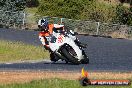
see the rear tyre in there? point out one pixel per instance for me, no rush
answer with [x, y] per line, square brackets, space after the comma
[69, 57]
[53, 57]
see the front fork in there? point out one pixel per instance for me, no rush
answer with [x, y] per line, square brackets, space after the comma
[80, 44]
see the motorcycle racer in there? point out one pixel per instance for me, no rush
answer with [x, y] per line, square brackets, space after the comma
[46, 32]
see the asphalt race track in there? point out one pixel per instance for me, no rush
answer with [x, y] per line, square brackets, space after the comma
[105, 54]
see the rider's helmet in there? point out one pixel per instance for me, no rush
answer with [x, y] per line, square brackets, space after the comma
[44, 25]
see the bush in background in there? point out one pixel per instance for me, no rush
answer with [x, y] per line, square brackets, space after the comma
[64, 8]
[123, 15]
[86, 10]
[77, 9]
[100, 12]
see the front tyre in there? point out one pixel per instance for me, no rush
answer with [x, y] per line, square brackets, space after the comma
[66, 52]
[86, 59]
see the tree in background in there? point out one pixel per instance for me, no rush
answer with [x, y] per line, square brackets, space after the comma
[123, 14]
[12, 5]
[32, 3]
[20, 4]
[131, 5]
[11, 12]
[2, 3]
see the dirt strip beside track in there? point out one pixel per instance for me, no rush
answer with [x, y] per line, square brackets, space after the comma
[26, 76]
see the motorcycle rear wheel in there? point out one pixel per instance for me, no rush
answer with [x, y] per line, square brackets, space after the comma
[53, 57]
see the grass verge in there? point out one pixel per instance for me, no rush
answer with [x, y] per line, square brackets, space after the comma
[56, 83]
[17, 51]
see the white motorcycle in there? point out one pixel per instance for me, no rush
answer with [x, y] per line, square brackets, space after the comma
[66, 47]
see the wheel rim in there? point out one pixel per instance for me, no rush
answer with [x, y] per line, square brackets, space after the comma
[72, 52]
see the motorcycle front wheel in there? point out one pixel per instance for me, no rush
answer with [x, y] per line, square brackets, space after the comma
[70, 54]
[86, 59]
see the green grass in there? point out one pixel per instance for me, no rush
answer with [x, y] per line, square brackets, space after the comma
[17, 51]
[56, 83]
